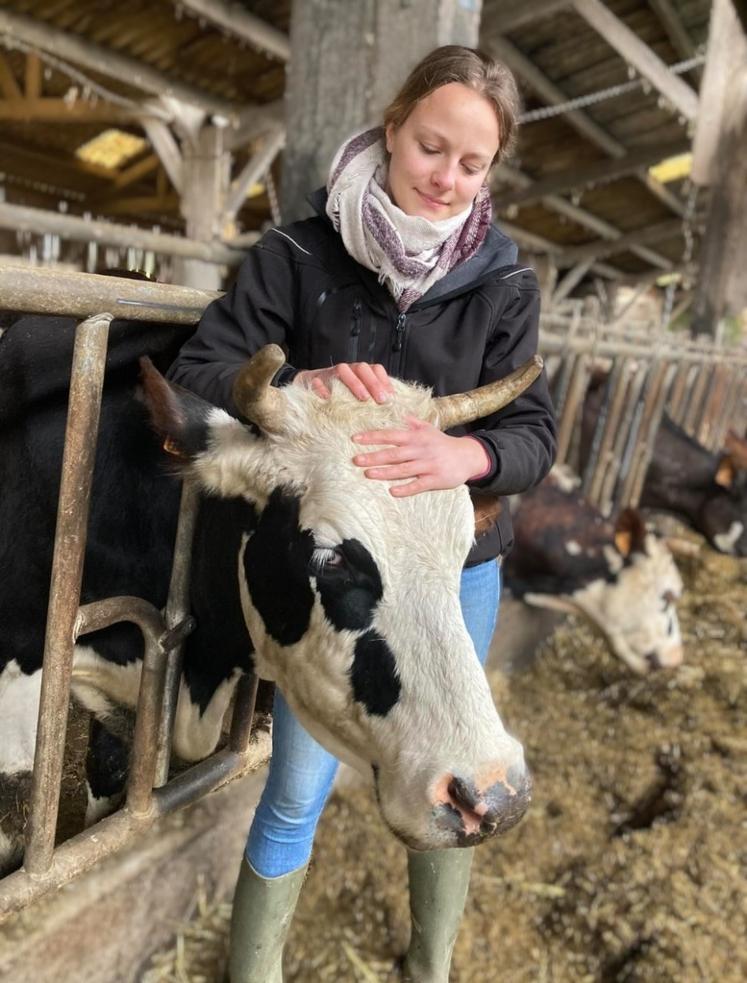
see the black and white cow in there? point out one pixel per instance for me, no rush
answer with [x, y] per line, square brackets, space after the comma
[619, 577]
[351, 596]
[707, 491]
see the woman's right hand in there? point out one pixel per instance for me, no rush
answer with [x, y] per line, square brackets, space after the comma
[363, 379]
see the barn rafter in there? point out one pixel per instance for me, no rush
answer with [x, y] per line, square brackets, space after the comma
[582, 178]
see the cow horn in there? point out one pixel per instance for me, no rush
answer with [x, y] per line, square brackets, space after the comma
[478, 403]
[255, 398]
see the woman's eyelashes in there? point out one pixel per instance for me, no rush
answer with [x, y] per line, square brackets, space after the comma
[469, 169]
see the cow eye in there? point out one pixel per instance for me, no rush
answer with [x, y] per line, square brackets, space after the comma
[327, 558]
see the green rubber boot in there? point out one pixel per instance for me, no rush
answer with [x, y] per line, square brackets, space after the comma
[439, 880]
[262, 912]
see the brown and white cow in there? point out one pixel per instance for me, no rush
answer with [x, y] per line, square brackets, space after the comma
[619, 577]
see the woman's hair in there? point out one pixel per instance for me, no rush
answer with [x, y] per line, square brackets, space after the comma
[471, 67]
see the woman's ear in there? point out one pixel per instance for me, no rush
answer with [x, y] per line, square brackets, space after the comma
[389, 135]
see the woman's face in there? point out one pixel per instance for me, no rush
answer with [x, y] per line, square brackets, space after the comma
[441, 154]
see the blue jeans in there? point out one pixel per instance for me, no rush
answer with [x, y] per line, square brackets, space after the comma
[302, 772]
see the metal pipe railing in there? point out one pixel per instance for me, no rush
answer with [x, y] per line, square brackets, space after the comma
[86, 386]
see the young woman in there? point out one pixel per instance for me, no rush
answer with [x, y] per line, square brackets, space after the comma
[400, 273]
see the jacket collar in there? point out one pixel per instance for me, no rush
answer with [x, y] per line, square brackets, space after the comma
[496, 252]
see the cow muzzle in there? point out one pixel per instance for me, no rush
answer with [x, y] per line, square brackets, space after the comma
[473, 811]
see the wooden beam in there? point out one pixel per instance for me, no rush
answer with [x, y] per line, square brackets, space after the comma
[252, 122]
[140, 205]
[8, 85]
[59, 111]
[582, 216]
[639, 55]
[579, 120]
[503, 19]
[39, 221]
[600, 250]
[234, 20]
[670, 19]
[253, 170]
[726, 47]
[547, 90]
[127, 177]
[108, 62]
[71, 172]
[164, 144]
[600, 172]
[721, 289]
[33, 76]
[572, 278]
[136, 171]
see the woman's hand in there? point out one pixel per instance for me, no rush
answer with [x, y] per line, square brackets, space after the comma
[433, 459]
[362, 379]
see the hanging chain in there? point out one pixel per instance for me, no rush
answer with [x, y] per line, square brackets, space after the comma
[616, 90]
[687, 234]
[88, 85]
[272, 194]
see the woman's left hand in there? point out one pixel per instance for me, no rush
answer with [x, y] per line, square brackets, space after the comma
[422, 452]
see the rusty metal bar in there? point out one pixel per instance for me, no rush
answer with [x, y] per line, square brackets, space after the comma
[726, 412]
[243, 712]
[604, 462]
[177, 610]
[576, 390]
[679, 392]
[84, 294]
[102, 614]
[617, 470]
[649, 429]
[610, 387]
[86, 385]
[712, 405]
[81, 852]
[692, 414]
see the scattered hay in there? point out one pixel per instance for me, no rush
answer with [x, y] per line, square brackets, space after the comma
[631, 865]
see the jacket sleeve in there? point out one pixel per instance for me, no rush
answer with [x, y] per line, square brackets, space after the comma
[520, 439]
[257, 310]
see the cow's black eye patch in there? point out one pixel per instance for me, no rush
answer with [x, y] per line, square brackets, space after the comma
[276, 564]
[350, 586]
[374, 675]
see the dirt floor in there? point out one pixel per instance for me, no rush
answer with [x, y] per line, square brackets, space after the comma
[632, 862]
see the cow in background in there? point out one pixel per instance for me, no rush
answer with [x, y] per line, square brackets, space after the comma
[351, 596]
[617, 576]
[707, 491]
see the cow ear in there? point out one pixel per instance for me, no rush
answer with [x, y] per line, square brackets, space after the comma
[178, 416]
[726, 471]
[630, 533]
[737, 450]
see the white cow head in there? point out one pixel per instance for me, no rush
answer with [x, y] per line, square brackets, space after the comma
[634, 606]
[351, 596]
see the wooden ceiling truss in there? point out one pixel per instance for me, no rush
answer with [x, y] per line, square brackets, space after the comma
[221, 65]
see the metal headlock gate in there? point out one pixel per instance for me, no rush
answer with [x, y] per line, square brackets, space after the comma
[704, 385]
[149, 792]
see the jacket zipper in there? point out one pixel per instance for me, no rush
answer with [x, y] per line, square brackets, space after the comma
[398, 343]
[355, 331]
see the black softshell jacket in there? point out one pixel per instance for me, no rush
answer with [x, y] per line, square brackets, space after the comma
[299, 288]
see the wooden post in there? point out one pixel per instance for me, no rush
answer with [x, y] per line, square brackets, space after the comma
[205, 174]
[721, 161]
[347, 61]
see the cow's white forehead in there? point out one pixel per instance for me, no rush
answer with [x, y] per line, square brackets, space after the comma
[339, 502]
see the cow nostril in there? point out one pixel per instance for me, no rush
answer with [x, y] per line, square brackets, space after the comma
[652, 659]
